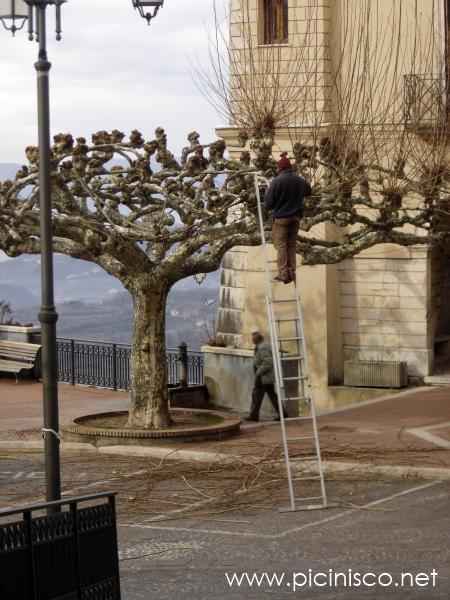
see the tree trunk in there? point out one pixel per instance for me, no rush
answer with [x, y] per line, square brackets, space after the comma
[149, 392]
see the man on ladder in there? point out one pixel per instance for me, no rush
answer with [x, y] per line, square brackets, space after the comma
[285, 198]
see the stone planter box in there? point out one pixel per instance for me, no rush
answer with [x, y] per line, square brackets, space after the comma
[14, 333]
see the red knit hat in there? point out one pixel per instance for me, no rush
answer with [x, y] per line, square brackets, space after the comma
[284, 162]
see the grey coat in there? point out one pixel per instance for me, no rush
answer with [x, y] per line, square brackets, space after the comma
[263, 364]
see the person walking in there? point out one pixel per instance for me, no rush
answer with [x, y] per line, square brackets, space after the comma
[285, 198]
[264, 377]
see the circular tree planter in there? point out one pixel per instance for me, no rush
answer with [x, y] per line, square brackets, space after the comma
[110, 428]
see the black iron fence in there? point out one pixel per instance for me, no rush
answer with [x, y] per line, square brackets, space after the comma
[67, 555]
[107, 364]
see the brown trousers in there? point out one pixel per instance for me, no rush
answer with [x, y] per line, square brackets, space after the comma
[284, 235]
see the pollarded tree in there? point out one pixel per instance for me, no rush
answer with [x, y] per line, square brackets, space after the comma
[149, 220]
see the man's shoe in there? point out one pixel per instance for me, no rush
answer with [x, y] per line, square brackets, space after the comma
[251, 420]
[284, 280]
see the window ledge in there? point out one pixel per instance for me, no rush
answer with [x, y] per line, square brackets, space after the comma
[287, 45]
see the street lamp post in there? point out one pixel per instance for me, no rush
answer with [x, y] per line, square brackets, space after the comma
[47, 315]
[13, 15]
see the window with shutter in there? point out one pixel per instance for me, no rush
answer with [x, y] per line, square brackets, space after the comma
[275, 21]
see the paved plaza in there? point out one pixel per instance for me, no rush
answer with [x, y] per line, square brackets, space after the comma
[410, 428]
[213, 529]
[174, 543]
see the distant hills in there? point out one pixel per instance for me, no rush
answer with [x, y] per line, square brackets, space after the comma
[75, 280]
[190, 317]
[93, 305]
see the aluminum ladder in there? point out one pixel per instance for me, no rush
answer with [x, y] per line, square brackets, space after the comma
[285, 381]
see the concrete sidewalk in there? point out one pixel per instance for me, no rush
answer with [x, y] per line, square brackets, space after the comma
[412, 428]
[409, 429]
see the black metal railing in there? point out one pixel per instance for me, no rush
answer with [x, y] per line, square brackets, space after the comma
[107, 364]
[69, 554]
[425, 100]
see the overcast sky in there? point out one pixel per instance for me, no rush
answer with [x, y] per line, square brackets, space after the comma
[110, 71]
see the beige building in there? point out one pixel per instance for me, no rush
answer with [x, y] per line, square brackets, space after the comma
[389, 303]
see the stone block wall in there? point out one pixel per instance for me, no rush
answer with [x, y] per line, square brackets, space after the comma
[242, 306]
[309, 29]
[231, 309]
[386, 310]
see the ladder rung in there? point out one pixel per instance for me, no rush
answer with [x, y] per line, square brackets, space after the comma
[300, 437]
[304, 458]
[289, 339]
[283, 301]
[280, 319]
[315, 478]
[303, 418]
[306, 506]
[310, 498]
[296, 398]
[294, 378]
[299, 357]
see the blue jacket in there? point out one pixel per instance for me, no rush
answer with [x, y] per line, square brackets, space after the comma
[286, 193]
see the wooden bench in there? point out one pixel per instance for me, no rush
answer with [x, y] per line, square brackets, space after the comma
[18, 358]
